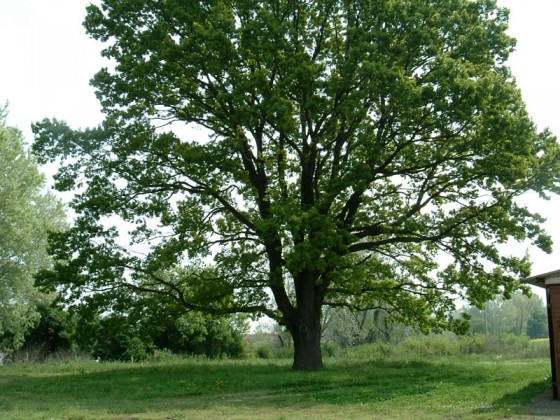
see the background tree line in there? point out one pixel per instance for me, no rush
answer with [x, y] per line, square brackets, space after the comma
[153, 326]
[521, 315]
[130, 336]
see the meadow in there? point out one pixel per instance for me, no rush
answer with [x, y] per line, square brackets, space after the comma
[365, 383]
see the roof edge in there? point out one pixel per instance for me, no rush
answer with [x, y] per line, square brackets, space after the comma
[540, 279]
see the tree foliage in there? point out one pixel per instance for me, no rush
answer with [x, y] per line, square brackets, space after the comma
[344, 150]
[52, 335]
[27, 213]
[136, 328]
[537, 324]
[520, 315]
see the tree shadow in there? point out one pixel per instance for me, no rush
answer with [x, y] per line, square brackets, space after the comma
[534, 399]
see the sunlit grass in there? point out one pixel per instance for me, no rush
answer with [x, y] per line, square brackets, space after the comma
[434, 387]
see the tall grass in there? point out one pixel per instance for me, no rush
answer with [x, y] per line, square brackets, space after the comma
[505, 345]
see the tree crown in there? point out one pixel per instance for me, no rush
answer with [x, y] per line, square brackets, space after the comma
[350, 146]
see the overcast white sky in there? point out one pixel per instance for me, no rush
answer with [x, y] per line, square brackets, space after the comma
[47, 61]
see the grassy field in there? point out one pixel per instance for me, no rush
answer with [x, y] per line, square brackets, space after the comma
[481, 387]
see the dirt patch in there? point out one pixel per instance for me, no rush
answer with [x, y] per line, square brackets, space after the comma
[543, 407]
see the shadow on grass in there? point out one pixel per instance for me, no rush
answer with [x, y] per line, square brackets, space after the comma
[534, 399]
[191, 385]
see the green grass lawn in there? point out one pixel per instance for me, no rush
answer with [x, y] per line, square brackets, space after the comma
[434, 387]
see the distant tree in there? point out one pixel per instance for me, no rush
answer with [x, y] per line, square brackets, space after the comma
[520, 308]
[349, 328]
[378, 326]
[350, 144]
[486, 320]
[517, 315]
[341, 326]
[27, 213]
[537, 324]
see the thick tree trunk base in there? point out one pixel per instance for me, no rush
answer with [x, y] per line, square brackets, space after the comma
[307, 348]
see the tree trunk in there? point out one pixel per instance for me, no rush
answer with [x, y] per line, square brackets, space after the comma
[303, 320]
[307, 343]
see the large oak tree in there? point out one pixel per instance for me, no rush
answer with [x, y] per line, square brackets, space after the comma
[350, 153]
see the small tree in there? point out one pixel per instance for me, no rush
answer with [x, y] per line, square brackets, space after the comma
[27, 213]
[350, 145]
[53, 333]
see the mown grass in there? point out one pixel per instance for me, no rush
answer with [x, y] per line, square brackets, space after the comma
[349, 388]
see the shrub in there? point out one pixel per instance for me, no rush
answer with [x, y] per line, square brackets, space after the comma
[199, 334]
[136, 350]
[474, 344]
[331, 349]
[122, 348]
[264, 352]
[164, 355]
[267, 346]
[539, 348]
[431, 345]
[51, 335]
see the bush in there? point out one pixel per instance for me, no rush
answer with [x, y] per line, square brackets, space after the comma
[51, 335]
[539, 347]
[122, 348]
[199, 334]
[164, 355]
[264, 352]
[136, 350]
[442, 345]
[505, 344]
[331, 349]
[474, 344]
[267, 346]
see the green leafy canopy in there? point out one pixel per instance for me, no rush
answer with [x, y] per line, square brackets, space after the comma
[27, 213]
[352, 147]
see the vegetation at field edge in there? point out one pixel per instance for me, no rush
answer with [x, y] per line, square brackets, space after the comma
[431, 387]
